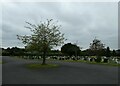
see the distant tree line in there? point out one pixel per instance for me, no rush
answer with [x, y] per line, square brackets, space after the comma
[96, 48]
[15, 51]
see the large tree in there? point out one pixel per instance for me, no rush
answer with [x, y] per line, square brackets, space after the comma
[70, 49]
[45, 36]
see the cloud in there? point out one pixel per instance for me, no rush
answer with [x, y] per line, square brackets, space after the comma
[80, 21]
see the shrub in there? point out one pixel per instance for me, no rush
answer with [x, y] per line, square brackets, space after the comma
[98, 59]
[105, 60]
[91, 59]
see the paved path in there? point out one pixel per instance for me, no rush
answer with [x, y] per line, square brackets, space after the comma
[14, 72]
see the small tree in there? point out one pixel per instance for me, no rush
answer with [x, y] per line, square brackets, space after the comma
[97, 47]
[114, 53]
[44, 36]
[108, 52]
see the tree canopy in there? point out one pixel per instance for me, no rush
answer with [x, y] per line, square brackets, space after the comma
[96, 45]
[70, 49]
[44, 36]
[108, 54]
[96, 48]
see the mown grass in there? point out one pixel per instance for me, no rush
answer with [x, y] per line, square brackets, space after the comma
[1, 62]
[40, 66]
[107, 64]
[100, 63]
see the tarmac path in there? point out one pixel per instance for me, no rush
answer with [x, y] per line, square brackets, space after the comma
[15, 72]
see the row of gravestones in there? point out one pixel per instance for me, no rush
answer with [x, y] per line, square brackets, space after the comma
[65, 58]
[115, 59]
[31, 57]
[86, 58]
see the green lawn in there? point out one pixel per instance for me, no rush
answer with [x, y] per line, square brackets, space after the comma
[1, 62]
[39, 66]
[108, 64]
[101, 63]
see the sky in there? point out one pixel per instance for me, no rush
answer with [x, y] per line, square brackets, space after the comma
[81, 21]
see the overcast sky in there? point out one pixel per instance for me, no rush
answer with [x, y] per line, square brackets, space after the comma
[81, 21]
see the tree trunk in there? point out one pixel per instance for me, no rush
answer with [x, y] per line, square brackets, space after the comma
[44, 58]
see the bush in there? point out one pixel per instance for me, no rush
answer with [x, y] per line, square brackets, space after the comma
[85, 59]
[91, 59]
[98, 59]
[73, 59]
[62, 58]
[105, 60]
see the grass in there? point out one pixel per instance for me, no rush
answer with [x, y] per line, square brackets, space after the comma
[40, 66]
[101, 63]
[107, 64]
[1, 62]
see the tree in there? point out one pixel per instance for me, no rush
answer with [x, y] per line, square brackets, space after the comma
[97, 47]
[108, 52]
[118, 52]
[44, 36]
[70, 49]
[114, 53]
